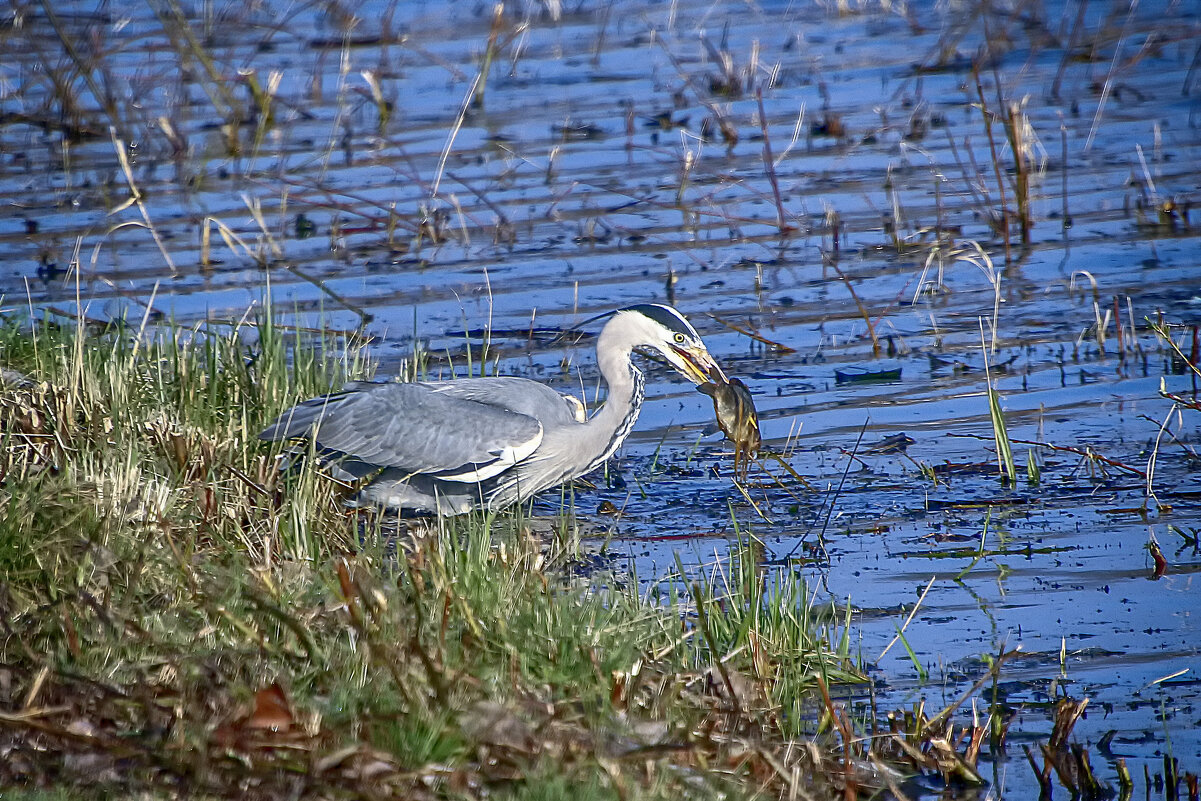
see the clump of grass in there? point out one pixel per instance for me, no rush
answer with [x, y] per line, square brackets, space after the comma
[176, 612]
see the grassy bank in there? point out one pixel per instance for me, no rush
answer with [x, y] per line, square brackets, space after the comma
[179, 616]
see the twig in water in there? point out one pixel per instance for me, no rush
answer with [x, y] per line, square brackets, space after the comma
[1087, 453]
[1063, 144]
[996, 162]
[498, 15]
[775, 346]
[770, 165]
[842, 481]
[1151, 460]
[993, 673]
[1107, 86]
[450, 137]
[136, 199]
[751, 501]
[908, 620]
[867, 318]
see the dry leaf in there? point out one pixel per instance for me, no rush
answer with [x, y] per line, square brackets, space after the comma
[271, 710]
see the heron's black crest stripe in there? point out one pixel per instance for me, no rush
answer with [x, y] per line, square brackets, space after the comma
[665, 316]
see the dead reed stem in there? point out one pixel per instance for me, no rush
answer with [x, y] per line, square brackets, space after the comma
[769, 164]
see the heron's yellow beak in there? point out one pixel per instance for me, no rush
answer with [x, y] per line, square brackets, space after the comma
[697, 365]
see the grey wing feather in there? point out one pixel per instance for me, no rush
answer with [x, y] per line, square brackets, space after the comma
[411, 427]
[519, 395]
[298, 421]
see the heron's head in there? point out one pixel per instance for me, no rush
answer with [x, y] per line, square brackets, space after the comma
[665, 331]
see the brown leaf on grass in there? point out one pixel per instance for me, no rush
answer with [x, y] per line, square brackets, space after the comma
[345, 582]
[272, 711]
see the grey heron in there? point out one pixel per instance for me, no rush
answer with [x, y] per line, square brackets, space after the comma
[450, 447]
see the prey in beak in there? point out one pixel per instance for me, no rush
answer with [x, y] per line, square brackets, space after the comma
[696, 365]
[736, 417]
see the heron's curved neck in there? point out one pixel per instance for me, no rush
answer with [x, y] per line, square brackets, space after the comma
[616, 417]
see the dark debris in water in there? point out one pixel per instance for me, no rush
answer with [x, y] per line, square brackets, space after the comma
[863, 375]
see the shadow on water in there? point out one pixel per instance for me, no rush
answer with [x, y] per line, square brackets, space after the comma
[818, 176]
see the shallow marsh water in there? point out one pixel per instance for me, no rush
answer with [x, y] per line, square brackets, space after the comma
[568, 194]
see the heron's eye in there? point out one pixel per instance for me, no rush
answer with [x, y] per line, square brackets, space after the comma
[680, 339]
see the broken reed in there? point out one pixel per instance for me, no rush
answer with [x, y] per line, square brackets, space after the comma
[1018, 135]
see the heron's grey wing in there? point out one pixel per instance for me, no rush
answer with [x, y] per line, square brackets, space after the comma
[414, 429]
[519, 395]
[298, 421]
